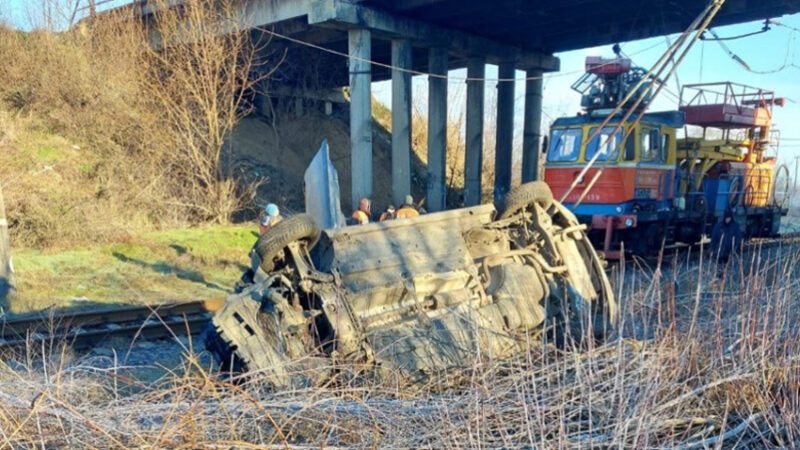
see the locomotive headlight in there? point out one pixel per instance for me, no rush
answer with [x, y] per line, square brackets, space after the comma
[619, 209]
[628, 222]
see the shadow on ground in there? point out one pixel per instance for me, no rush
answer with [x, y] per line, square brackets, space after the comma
[166, 268]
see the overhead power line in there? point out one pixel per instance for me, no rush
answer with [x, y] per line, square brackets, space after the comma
[423, 73]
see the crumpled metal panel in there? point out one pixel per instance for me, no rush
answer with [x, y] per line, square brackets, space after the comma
[322, 190]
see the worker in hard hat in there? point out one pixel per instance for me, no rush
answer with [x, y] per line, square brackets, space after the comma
[361, 216]
[268, 218]
[408, 209]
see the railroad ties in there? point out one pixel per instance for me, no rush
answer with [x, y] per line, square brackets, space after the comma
[85, 329]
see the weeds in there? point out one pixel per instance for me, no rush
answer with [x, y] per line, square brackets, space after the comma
[102, 133]
[720, 371]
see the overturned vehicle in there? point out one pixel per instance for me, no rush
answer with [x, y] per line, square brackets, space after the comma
[411, 298]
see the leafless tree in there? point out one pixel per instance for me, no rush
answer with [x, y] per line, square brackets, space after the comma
[203, 65]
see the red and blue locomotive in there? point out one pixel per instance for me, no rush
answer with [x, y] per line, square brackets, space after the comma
[665, 177]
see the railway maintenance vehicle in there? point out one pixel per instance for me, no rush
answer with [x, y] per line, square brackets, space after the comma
[666, 177]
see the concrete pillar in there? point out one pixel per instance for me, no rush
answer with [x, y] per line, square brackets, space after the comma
[505, 132]
[360, 114]
[401, 120]
[437, 130]
[473, 162]
[532, 137]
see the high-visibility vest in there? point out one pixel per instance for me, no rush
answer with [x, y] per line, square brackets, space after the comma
[361, 217]
[407, 212]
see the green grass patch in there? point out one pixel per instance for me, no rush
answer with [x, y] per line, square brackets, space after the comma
[159, 266]
[49, 154]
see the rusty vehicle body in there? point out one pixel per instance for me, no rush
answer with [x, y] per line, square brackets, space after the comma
[410, 298]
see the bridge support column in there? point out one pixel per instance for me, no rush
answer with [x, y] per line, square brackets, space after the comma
[437, 129]
[532, 137]
[473, 162]
[401, 120]
[360, 43]
[505, 132]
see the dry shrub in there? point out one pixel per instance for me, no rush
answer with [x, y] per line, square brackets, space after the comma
[141, 131]
[200, 72]
[719, 370]
[456, 145]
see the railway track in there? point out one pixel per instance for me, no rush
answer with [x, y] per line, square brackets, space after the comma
[756, 244]
[84, 329]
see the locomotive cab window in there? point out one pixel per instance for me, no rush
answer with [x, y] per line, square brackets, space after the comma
[651, 145]
[565, 145]
[609, 141]
[630, 147]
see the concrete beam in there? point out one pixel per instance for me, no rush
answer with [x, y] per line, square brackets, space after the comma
[360, 44]
[251, 13]
[321, 95]
[344, 14]
[401, 120]
[532, 137]
[437, 130]
[505, 132]
[473, 162]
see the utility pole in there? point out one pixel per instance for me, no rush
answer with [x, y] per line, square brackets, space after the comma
[6, 269]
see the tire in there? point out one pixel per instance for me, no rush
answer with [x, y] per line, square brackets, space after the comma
[292, 229]
[523, 195]
[734, 196]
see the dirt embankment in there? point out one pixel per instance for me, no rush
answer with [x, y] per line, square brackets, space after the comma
[282, 152]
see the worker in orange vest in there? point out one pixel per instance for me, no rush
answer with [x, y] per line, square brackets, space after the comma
[361, 216]
[408, 209]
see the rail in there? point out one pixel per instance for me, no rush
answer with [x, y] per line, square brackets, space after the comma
[82, 329]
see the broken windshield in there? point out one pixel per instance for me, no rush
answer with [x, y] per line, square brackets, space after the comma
[565, 145]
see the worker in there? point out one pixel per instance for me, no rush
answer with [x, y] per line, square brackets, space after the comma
[389, 214]
[407, 209]
[268, 218]
[725, 238]
[361, 216]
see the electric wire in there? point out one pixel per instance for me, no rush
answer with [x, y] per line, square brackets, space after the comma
[423, 73]
[790, 45]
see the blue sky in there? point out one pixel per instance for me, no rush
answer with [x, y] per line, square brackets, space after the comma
[707, 62]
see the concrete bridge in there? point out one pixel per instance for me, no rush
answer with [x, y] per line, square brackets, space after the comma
[435, 36]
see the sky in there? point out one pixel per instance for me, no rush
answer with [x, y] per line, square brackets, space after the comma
[773, 58]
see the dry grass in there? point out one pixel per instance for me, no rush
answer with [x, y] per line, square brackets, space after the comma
[719, 371]
[100, 132]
